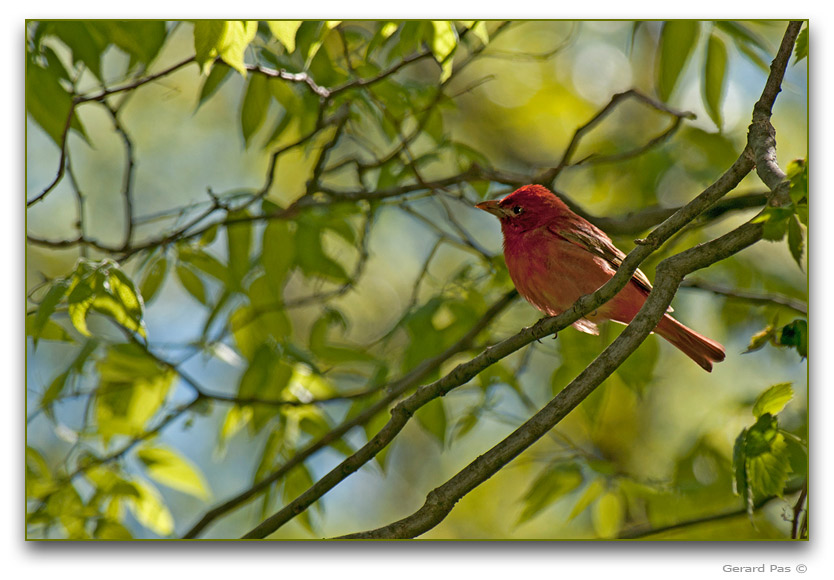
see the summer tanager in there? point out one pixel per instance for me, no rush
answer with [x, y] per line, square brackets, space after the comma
[555, 256]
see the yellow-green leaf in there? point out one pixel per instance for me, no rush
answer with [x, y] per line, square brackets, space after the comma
[607, 515]
[773, 400]
[226, 39]
[168, 467]
[551, 484]
[479, 29]
[592, 491]
[132, 388]
[150, 510]
[284, 32]
[79, 302]
[444, 40]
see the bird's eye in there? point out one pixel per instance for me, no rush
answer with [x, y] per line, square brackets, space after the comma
[517, 210]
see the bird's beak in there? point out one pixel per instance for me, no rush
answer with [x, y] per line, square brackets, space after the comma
[492, 207]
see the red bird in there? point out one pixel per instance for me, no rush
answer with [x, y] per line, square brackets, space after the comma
[555, 256]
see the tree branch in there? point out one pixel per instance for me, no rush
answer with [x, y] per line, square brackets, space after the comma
[747, 296]
[643, 532]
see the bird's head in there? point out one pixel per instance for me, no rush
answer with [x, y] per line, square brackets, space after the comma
[528, 207]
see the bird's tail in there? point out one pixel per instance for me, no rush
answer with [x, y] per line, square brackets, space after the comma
[701, 349]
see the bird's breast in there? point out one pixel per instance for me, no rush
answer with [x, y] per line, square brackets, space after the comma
[551, 272]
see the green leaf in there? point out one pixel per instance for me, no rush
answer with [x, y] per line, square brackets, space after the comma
[56, 387]
[773, 400]
[592, 492]
[313, 261]
[103, 287]
[239, 241]
[168, 467]
[798, 175]
[801, 45]
[479, 30]
[298, 481]
[742, 35]
[192, 283]
[761, 461]
[227, 39]
[796, 239]
[132, 388]
[795, 334]
[218, 75]
[321, 32]
[265, 378]
[554, 482]
[761, 338]
[284, 32]
[130, 307]
[53, 391]
[66, 505]
[740, 483]
[141, 39]
[444, 43]
[207, 36]
[753, 57]
[50, 331]
[775, 222]
[153, 278]
[252, 327]
[316, 425]
[86, 41]
[432, 417]
[715, 76]
[47, 306]
[768, 472]
[150, 509]
[111, 530]
[48, 103]
[608, 515]
[254, 107]
[79, 301]
[677, 40]
[278, 255]
[204, 262]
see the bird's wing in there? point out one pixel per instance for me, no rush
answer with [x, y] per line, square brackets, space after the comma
[591, 238]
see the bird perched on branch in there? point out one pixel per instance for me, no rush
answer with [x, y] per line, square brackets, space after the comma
[555, 256]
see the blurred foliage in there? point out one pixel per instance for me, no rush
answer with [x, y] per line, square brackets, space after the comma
[233, 264]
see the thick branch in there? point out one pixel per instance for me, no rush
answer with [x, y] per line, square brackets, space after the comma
[643, 532]
[670, 272]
